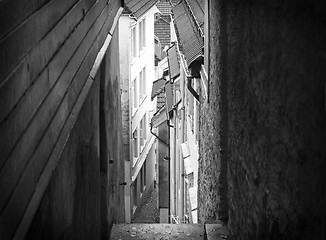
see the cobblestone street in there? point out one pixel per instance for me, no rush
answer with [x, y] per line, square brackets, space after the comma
[149, 212]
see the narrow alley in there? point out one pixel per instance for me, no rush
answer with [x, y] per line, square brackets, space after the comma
[149, 212]
[162, 119]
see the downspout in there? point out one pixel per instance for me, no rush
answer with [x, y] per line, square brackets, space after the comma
[190, 88]
[188, 76]
[161, 140]
[169, 174]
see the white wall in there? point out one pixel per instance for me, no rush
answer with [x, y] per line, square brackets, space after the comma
[129, 70]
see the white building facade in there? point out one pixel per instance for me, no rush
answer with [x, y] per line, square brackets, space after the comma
[136, 43]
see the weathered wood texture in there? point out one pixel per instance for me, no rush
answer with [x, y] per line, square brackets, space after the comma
[46, 54]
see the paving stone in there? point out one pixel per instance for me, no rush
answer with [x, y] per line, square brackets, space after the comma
[216, 231]
[157, 231]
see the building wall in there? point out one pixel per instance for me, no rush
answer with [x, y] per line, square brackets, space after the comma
[130, 69]
[48, 49]
[124, 59]
[112, 159]
[272, 59]
[212, 169]
[70, 206]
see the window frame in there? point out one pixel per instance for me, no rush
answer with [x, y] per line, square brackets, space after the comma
[142, 84]
[143, 132]
[142, 35]
[133, 38]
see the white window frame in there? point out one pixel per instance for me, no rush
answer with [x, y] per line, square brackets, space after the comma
[143, 132]
[142, 35]
[133, 38]
[142, 84]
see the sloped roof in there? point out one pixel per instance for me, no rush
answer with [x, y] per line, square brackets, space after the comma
[169, 96]
[160, 100]
[162, 30]
[157, 87]
[197, 7]
[188, 32]
[175, 2]
[173, 62]
[159, 117]
[138, 7]
[164, 6]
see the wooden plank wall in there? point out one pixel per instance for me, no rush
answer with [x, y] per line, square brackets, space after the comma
[47, 50]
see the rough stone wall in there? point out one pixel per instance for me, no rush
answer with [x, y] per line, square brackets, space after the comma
[271, 58]
[212, 187]
[276, 77]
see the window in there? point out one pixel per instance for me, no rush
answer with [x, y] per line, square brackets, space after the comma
[143, 131]
[135, 144]
[142, 83]
[142, 35]
[133, 42]
[134, 93]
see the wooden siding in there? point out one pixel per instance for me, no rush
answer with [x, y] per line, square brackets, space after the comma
[47, 52]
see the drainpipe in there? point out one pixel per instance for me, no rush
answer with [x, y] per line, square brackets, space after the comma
[169, 167]
[161, 140]
[190, 88]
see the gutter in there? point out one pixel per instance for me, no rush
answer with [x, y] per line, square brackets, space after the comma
[188, 76]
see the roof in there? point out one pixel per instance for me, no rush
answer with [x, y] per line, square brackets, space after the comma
[175, 2]
[159, 117]
[173, 62]
[160, 100]
[162, 30]
[138, 8]
[164, 6]
[188, 32]
[197, 7]
[157, 88]
[169, 96]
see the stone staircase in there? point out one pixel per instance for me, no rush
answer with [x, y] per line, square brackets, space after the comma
[158, 231]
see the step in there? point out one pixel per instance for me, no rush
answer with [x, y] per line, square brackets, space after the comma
[157, 231]
[217, 231]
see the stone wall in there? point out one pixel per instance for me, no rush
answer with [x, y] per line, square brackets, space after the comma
[212, 168]
[276, 73]
[274, 62]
